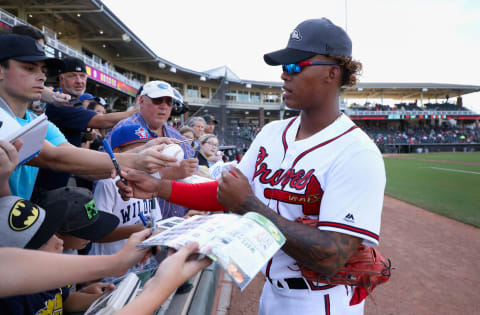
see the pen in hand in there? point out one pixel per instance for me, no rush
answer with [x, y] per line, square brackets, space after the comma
[108, 149]
[144, 221]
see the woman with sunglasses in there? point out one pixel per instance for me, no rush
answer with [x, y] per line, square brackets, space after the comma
[318, 165]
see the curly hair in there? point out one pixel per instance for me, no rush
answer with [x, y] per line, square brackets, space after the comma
[350, 70]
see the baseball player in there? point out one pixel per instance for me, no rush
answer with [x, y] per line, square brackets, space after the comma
[318, 164]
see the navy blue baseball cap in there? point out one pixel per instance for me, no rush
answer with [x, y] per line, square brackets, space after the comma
[310, 38]
[129, 134]
[25, 48]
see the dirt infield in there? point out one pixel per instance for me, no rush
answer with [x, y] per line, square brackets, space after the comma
[437, 263]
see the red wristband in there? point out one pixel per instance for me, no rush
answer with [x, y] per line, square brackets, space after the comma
[201, 196]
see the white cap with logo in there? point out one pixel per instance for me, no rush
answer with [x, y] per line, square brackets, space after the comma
[156, 89]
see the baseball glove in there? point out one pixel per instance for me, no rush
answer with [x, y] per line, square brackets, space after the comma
[365, 269]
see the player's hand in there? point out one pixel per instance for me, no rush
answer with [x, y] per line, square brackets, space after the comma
[139, 185]
[234, 190]
[130, 254]
[98, 287]
[56, 98]
[152, 159]
[176, 269]
[8, 158]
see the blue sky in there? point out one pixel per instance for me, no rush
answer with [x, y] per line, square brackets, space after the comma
[434, 41]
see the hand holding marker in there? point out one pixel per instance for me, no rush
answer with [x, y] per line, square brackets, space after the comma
[108, 149]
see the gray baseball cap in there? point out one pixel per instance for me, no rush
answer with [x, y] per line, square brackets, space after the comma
[24, 224]
[310, 38]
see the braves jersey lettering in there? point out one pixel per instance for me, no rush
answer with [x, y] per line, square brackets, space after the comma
[296, 180]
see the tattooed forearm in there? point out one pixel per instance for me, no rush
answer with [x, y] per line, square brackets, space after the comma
[322, 251]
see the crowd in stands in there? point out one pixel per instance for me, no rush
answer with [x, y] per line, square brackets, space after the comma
[424, 135]
[409, 107]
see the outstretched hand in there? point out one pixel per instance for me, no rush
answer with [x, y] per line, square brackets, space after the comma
[152, 159]
[176, 269]
[130, 254]
[234, 190]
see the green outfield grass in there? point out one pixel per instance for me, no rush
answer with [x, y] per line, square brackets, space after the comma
[439, 187]
[459, 156]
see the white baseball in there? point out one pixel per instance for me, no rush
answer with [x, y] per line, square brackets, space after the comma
[174, 150]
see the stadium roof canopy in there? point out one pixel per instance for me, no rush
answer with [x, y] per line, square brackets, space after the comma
[93, 25]
[409, 91]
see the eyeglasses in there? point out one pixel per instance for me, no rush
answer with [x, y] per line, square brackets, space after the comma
[212, 144]
[297, 67]
[160, 100]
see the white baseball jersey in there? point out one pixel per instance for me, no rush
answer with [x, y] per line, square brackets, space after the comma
[108, 199]
[338, 176]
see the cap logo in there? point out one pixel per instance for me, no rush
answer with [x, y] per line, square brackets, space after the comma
[163, 86]
[22, 215]
[141, 133]
[78, 69]
[91, 209]
[295, 35]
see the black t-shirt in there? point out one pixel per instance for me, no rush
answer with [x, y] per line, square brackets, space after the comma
[45, 303]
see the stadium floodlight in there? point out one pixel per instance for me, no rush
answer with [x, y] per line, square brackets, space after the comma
[424, 90]
[248, 86]
[173, 69]
[203, 78]
[161, 65]
[126, 38]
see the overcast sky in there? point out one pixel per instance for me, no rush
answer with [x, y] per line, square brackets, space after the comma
[426, 41]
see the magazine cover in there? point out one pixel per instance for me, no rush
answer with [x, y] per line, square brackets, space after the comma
[241, 245]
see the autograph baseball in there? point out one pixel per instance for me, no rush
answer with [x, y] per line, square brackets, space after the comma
[174, 150]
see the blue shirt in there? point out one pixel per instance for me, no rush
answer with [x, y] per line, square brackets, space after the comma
[22, 180]
[168, 209]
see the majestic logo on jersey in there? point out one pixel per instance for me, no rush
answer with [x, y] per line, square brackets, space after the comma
[310, 200]
[349, 218]
[22, 215]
